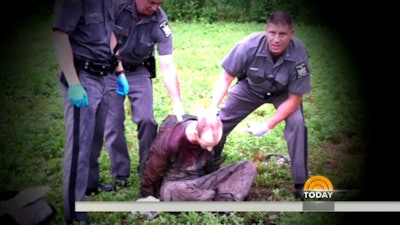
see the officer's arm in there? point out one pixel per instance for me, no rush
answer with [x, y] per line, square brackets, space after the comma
[221, 88]
[170, 77]
[171, 82]
[64, 56]
[285, 109]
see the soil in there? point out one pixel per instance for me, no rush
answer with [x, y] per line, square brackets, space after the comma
[336, 153]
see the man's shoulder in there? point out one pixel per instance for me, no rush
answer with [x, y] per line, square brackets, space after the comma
[161, 12]
[171, 120]
[254, 37]
[122, 4]
[299, 44]
[251, 41]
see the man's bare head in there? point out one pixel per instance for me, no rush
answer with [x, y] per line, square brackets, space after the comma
[209, 130]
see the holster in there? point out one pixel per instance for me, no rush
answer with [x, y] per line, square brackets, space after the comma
[149, 63]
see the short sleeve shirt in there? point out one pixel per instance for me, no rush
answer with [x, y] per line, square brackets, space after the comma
[139, 37]
[290, 73]
[89, 24]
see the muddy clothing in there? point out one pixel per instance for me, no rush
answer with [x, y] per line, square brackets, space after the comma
[137, 38]
[230, 183]
[268, 80]
[89, 25]
[179, 166]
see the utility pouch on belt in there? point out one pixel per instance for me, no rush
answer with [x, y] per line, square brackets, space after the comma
[114, 63]
[95, 68]
[150, 64]
[114, 58]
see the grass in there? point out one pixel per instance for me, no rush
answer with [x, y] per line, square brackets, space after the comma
[32, 127]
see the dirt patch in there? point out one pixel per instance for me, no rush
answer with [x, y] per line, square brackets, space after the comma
[258, 193]
[341, 161]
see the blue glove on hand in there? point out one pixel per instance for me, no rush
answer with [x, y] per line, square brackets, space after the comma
[122, 86]
[77, 95]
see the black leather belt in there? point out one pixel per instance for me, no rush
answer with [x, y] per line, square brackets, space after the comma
[131, 67]
[95, 68]
[265, 95]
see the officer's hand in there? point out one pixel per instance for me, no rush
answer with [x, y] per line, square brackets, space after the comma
[212, 110]
[77, 95]
[122, 85]
[258, 129]
[178, 110]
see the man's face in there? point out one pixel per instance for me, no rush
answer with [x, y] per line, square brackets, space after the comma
[278, 37]
[148, 7]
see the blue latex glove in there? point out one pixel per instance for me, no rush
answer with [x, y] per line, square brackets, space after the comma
[122, 86]
[77, 95]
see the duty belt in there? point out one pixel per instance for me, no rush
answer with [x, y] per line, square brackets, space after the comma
[265, 95]
[131, 67]
[95, 68]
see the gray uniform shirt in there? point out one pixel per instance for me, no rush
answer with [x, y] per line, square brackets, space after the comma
[89, 24]
[138, 37]
[290, 73]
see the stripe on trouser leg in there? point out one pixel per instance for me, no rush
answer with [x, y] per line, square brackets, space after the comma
[306, 150]
[74, 161]
[305, 142]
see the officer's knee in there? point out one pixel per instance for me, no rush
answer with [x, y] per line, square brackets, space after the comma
[295, 120]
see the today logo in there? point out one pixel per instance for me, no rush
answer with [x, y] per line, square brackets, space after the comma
[318, 187]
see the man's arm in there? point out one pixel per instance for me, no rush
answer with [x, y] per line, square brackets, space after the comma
[284, 110]
[156, 167]
[221, 87]
[171, 83]
[64, 56]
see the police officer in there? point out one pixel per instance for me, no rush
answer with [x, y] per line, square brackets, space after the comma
[83, 36]
[140, 25]
[271, 67]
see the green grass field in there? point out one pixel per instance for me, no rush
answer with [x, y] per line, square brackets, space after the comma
[32, 129]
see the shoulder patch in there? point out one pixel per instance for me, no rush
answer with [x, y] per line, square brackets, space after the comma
[165, 29]
[301, 70]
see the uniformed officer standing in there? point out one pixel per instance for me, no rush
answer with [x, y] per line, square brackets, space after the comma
[140, 25]
[271, 67]
[83, 36]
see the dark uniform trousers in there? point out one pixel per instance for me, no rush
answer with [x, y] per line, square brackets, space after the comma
[241, 102]
[142, 114]
[84, 129]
